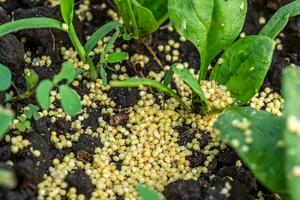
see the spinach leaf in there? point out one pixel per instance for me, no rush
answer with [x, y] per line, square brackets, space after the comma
[280, 19]
[43, 94]
[159, 9]
[209, 25]
[291, 93]
[147, 193]
[255, 136]
[245, 66]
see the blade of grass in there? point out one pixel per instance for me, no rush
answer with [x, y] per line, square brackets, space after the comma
[99, 34]
[30, 23]
[136, 82]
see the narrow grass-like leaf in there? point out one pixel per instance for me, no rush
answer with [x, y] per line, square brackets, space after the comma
[5, 78]
[70, 100]
[191, 81]
[67, 72]
[255, 136]
[43, 94]
[148, 193]
[136, 82]
[111, 42]
[168, 77]
[99, 35]
[291, 94]
[103, 74]
[280, 19]
[29, 23]
[67, 11]
[116, 57]
[6, 116]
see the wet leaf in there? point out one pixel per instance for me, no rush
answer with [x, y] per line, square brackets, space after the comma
[291, 84]
[208, 24]
[280, 19]
[136, 82]
[148, 193]
[5, 78]
[263, 156]
[70, 100]
[245, 66]
[43, 94]
[6, 116]
[67, 11]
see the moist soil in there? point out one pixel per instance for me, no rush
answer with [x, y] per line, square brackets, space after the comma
[30, 170]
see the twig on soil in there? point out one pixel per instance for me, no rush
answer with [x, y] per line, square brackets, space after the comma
[150, 50]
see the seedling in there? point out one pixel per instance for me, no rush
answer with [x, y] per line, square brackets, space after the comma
[67, 11]
[6, 116]
[268, 144]
[24, 124]
[142, 17]
[30, 112]
[70, 100]
[148, 193]
[245, 63]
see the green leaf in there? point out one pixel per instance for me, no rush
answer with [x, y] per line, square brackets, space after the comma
[67, 11]
[99, 35]
[145, 20]
[5, 78]
[33, 107]
[36, 116]
[116, 57]
[159, 9]
[32, 79]
[245, 66]
[29, 23]
[67, 72]
[191, 81]
[168, 76]
[148, 193]
[111, 42]
[70, 100]
[7, 179]
[43, 94]
[136, 82]
[210, 25]
[263, 156]
[21, 127]
[126, 11]
[280, 19]
[28, 113]
[6, 116]
[291, 84]
[103, 74]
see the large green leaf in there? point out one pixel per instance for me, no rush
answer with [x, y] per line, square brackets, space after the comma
[209, 25]
[191, 81]
[29, 23]
[136, 82]
[264, 156]
[70, 100]
[43, 94]
[99, 34]
[245, 66]
[159, 9]
[291, 94]
[6, 116]
[67, 72]
[67, 11]
[280, 19]
[148, 193]
[5, 78]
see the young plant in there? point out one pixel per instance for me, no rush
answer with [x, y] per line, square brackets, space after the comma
[268, 144]
[148, 193]
[23, 124]
[142, 16]
[244, 64]
[70, 100]
[6, 116]
[67, 11]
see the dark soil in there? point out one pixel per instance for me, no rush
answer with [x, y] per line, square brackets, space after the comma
[30, 170]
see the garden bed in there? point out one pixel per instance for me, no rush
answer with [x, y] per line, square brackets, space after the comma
[124, 136]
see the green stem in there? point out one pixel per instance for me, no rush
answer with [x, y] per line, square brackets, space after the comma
[81, 51]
